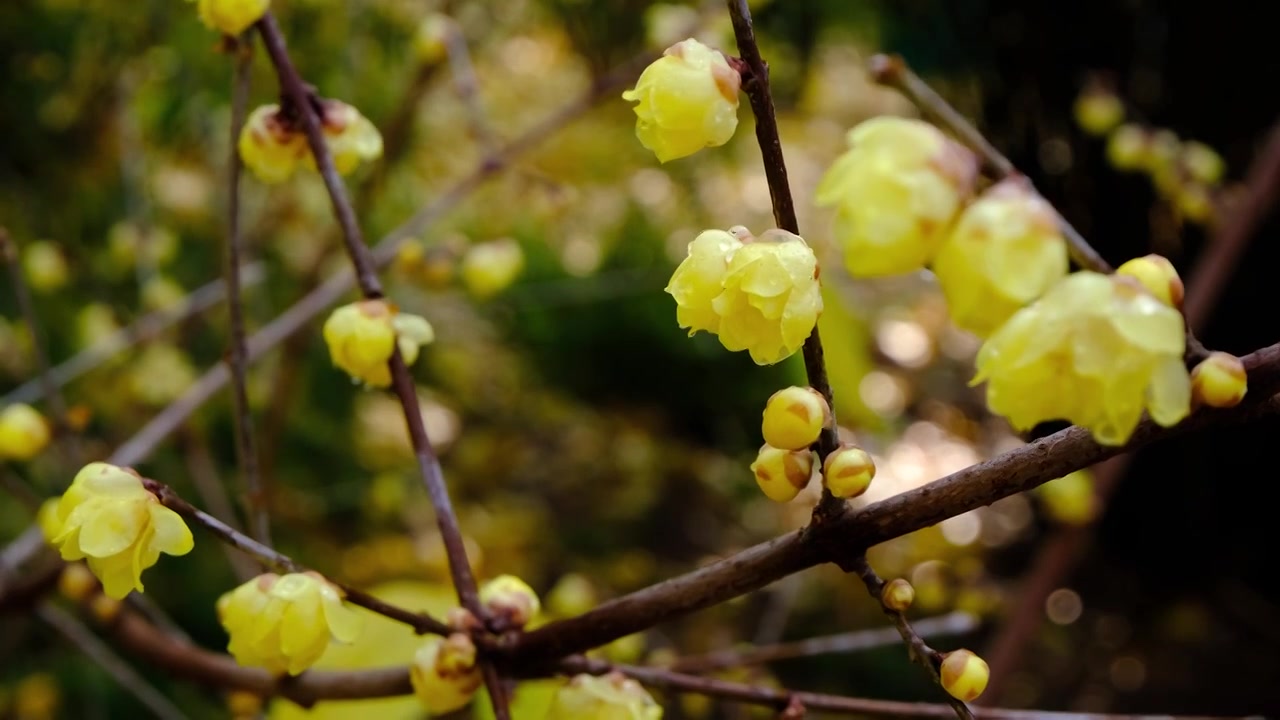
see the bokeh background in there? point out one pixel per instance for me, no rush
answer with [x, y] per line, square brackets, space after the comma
[591, 447]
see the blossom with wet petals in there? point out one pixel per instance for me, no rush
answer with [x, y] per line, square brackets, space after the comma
[284, 623]
[688, 100]
[362, 335]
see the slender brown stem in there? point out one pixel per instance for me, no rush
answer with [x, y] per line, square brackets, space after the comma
[253, 493]
[96, 650]
[850, 642]
[756, 85]
[296, 92]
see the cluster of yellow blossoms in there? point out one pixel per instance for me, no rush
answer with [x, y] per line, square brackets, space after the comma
[757, 294]
[362, 336]
[792, 421]
[272, 142]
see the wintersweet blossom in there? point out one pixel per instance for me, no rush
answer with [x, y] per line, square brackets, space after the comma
[444, 673]
[231, 17]
[110, 520]
[23, 432]
[688, 100]
[284, 623]
[362, 335]
[609, 697]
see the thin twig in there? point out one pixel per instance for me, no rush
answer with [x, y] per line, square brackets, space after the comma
[892, 70]
[279, 562]
[466, 85]
[295, 91]
[955, 623]
[1058, 556]
[253, 493]
[756, 85]
[96, 650]
[144, 328]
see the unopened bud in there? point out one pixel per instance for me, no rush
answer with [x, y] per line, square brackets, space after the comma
[964, 675]
[1158, 276]
[76, 582]
[1127, 147]
[898, 595]
[489, 268]
[848, 471]
[782, 474]
[1098, 110]
[23, 432]
[1203, 163]
[1219, 381]
[244, 705]
[794, 418]
[444, 673]
[104, 608]
[510, 601]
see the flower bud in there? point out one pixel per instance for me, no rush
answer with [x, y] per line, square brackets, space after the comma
[23, 433]
[160, 374]
[1202, 163]
[489, 268]
[444, 673]
[1098, 110]
[1158, 276]
[231, 17]
[688, 100]
[848, 471]
[896, 191]
[431, 43]
[162, 292]
[1219, 381]
[1127, 147]
[572, 595]
[964, 675]
[270, 146]
[794, 417]
[782, 474]
[104, 608]
[244, 705]
[351, 137]
[45, 266]
[610, 697]
[510, 601]
[1070, 499]
[1195, 203]
[76, 582]
[898, 595]
[362, 336]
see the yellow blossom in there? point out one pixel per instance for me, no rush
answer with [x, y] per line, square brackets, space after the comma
[510, 601]
[44, 266]
[270, 146]
[895, 191]
[444, 673]
[1098, 110]
[160, 374]
[699, 279]
[688, 100]
[1004, 251]
[431, 40]
[1070, 499]
[1202, 163]
[108, 518]
[351, 137]
[23, 432]
[231, 17]
[1095, 350]
[964, 675]
[284, 623]
[848, 471]
[794, 417]
[362, 335]
[1127, 147]
[610, 697]
[1157, 275]
[488, 268]
[1219, 380]
[782, 474]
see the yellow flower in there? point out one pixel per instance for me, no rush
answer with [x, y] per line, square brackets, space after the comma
[1202, 163]
[270, 146]
[1004, 251]
[351, 137]
[361, 337]
[611, 697]
[1095, 350]
[45, 267]
[431, 40]
[848, 471]
[896, 191]
[444, 673]
[1098, 110]
[510, 601]
[1219, 381]
[284, 623]
[794, 417]
[23, 432]
[231, 17]
[688, 100]
[160, 374]
[110, 519]
[759, 295]
[782, 474]
[489, 268]
[964, 675]
[771, 299]
[1070, 499]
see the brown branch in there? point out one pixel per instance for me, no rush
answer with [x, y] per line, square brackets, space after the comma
[253, 493]
[856, 641]
[1058, 556]
[756, 85]
[279, 562]
[92, 646]
[847, 537]
[783, 699]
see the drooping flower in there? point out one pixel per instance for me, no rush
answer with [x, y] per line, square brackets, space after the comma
[362, 335]
[270, 146]
[609, 697]
[24, 433]
[231, 17]
[688, 100]
[700, 278]
[1095, 350]
[895, 191]
[444, 673]
[351, 137]
[1005, 251]
[488, 268]
[284, 623]
[510, 601]
[108, 518]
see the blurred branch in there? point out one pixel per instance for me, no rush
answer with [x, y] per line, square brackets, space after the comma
[253, 494]
[467, 87]
[145, 328]
[955, 623]
[294, 90]
[1058, 557]
[96, 650]
[279, 562]
[844, 539]
[213, 493]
